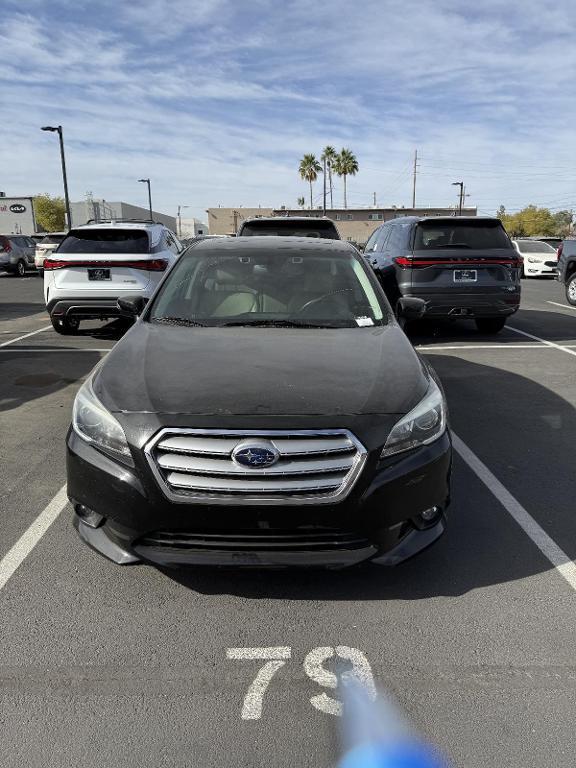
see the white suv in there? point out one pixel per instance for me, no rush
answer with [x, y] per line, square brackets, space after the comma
[97, 264]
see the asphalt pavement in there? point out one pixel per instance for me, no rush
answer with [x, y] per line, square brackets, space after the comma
[108, 666]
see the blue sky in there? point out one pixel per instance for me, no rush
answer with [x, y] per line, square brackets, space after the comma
[217, 100]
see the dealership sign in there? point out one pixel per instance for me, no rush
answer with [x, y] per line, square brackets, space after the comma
[17, 215]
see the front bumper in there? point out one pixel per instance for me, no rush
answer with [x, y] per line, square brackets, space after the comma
[379, 521]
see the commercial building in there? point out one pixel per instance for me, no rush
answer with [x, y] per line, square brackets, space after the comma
[355, 224]
[191, 228]
[17, 215]
[104, 210]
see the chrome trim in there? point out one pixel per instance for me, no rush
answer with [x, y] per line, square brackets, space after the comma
[331, 488]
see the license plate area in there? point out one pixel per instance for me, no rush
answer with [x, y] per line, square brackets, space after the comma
[465, 275]
[99, 273]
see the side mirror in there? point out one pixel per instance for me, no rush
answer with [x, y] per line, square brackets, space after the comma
[132, 305]
[411, 308]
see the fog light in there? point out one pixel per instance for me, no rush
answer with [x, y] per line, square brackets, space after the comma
[429, 514]
[88, 516]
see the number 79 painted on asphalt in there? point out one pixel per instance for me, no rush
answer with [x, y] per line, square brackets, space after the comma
[276, 657]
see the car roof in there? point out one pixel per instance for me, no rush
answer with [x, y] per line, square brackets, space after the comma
[274, 242]
[276, 219]
[442, 218]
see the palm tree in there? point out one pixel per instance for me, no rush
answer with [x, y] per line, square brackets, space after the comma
[309, 170]
[301, 202]
[346, 165]
[330, 155]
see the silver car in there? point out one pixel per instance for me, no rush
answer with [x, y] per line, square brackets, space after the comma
[17, 254]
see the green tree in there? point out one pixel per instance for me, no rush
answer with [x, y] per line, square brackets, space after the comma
[563, 223]
[49, 212]
[309, 170]
[330, 155]
[346, 165]
[529, 222]
[301, 202]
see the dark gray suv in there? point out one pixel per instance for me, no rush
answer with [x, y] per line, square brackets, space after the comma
[17, 254]
[463, 267]
[567, 269]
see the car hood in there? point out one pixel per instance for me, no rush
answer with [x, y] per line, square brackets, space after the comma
[261, 371]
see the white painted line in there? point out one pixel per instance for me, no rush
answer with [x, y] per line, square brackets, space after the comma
[25, 336]
[26, 543]
[564, 306]
[544, 341]
[559, 559]
[426, 348]
[41, 350]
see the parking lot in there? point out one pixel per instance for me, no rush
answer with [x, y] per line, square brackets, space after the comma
[103, 665]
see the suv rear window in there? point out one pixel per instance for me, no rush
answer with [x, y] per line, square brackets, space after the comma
[534, 246]
[479, 235]
[106, 241]
[287, 228]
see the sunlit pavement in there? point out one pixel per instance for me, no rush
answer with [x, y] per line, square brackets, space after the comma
[110, 666]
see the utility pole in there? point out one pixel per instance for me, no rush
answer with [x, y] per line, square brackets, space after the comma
[461, 200]
[374, 197]
[414, 179]
[324, 174]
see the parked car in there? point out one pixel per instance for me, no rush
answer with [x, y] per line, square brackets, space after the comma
[566, 269]
[290, 226]
[463, 267]
[47, 246]
[266, 409]
[539, 258]
[553, 241]
[16, 254]
[98, 263]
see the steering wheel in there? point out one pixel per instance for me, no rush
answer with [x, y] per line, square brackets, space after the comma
[319, 299]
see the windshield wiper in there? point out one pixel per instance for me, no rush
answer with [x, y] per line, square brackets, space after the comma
[450, 245]
[275, 324]
[178, 321]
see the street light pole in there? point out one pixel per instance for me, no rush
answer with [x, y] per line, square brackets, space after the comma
[147, 181]
[460, 204]
[58, 129]
[324, 180]
[180, 207]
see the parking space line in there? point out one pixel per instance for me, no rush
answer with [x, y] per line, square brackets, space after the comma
[559, 559]
[564, 306]
[544, 341]
[426, 348]
[26, 543]
[40, 350]
[25, 336]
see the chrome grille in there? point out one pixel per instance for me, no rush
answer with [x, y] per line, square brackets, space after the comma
[313, 467]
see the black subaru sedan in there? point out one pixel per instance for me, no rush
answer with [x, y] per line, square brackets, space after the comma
[266, 409]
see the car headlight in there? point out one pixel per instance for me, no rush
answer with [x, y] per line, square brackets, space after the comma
[533, 259]
[424, 424]
[93, 423]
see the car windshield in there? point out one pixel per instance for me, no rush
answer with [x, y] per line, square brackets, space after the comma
[52, 239]
[479, 235]
[106, 241]
[270, 287]
[534, 246]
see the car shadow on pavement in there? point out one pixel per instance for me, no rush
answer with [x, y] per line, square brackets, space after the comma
[17, 309]
[508, 420]
[551, 325]
[27, 377]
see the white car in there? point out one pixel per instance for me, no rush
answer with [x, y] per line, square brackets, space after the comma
[97, 264]
[539, 258]
[46, 246]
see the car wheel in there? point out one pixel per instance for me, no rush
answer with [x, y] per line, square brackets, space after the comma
[66, 326]
[490, 324]
[21, 268]
[571, 290]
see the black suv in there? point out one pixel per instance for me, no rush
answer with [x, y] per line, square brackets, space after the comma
[567, 269]
[290, 226]
[266, 409]
[463, 267]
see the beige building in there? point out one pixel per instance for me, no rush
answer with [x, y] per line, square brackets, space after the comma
[356, 224]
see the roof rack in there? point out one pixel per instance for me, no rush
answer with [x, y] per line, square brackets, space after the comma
[122, 221]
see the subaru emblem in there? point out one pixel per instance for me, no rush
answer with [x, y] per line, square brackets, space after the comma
[255, 455]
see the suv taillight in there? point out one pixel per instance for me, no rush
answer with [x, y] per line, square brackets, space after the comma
[152, 265]
[5, 245]
[559, 250]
